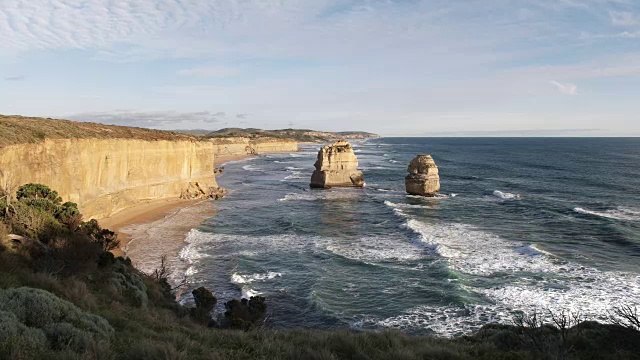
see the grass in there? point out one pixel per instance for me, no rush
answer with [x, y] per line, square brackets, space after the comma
[290, 134]
[16, 129]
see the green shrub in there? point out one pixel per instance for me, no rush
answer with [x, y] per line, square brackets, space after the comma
[18, 340]
[129, 284]
[33, 221]
[38, 308]
[69, 215]
[106, 239]
[245, 314]
[204, 299]
[38, 191]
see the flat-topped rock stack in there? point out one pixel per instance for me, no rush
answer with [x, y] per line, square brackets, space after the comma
[423, 178]
[337, 166]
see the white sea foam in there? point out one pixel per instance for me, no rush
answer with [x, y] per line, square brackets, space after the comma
[405, 206]
[294, 176]
[251, 168]
[248, 293]
[374, 248]
[544, 281]
[302, 154]
[248, 279]
[448, 321]
[506, 196]
[620, 213]
[192, 253]
[191, 271]
[321, 195]
[294, 168]
[476, 252]
[298, 197]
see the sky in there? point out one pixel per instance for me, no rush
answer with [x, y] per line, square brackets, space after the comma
[394, 67]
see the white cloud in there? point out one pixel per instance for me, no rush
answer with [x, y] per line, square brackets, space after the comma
[308, 61]
[566, 89]
[151, 119]
[624, 18]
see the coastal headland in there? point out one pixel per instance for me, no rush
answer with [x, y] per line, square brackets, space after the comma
[120, 175]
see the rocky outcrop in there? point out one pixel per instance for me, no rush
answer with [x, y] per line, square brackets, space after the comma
[423, 178]
[20, 244]
[337, 166]
[104, 176]
[195, 191]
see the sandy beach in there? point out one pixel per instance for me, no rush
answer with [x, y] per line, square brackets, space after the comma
[173, 217]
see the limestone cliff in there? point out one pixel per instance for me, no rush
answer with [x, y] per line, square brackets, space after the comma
[423, 178]
[239, 146]
[105, 176]
[337, 166]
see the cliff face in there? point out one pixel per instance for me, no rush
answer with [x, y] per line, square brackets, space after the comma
[245, 146]
[105, 176]
[337, 166]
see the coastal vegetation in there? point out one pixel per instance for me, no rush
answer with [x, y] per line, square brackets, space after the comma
[63, 295]
[15, 129]
[289, 134]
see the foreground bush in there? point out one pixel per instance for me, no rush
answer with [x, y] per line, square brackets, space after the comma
[34, 321]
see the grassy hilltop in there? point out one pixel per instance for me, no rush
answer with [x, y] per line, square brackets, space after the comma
[295, 134]
[22, 130]
[15, 129]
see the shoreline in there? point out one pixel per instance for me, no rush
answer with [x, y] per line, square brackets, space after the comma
[127, 223]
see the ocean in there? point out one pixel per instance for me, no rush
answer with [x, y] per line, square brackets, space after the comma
[521, 224]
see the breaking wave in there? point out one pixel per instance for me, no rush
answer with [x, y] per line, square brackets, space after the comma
[248, 279]
[620, 213]
[251, 168]
[506, 196]
[533, 279]
[373, 249]
[405, 206]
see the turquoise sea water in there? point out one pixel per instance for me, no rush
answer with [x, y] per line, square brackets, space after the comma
[521, 224]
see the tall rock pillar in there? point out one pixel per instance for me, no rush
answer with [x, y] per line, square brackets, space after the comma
[423, 178]
[337, 166]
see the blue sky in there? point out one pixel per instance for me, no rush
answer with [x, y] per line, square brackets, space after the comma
[420, 68]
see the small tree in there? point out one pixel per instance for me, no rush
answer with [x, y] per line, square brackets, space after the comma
[69, 215]
[204, 298]
[105, 238]
[205, 302]
[626, 315]
[245, 314]
[38, 191]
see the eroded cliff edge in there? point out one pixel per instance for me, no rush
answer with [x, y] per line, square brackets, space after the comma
[241, 146]
[106, 169]
[106, 176]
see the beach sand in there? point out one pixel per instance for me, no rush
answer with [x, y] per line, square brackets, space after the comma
[173, 218]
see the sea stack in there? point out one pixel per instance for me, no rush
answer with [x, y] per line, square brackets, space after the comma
[337, 166]
[423, 178]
